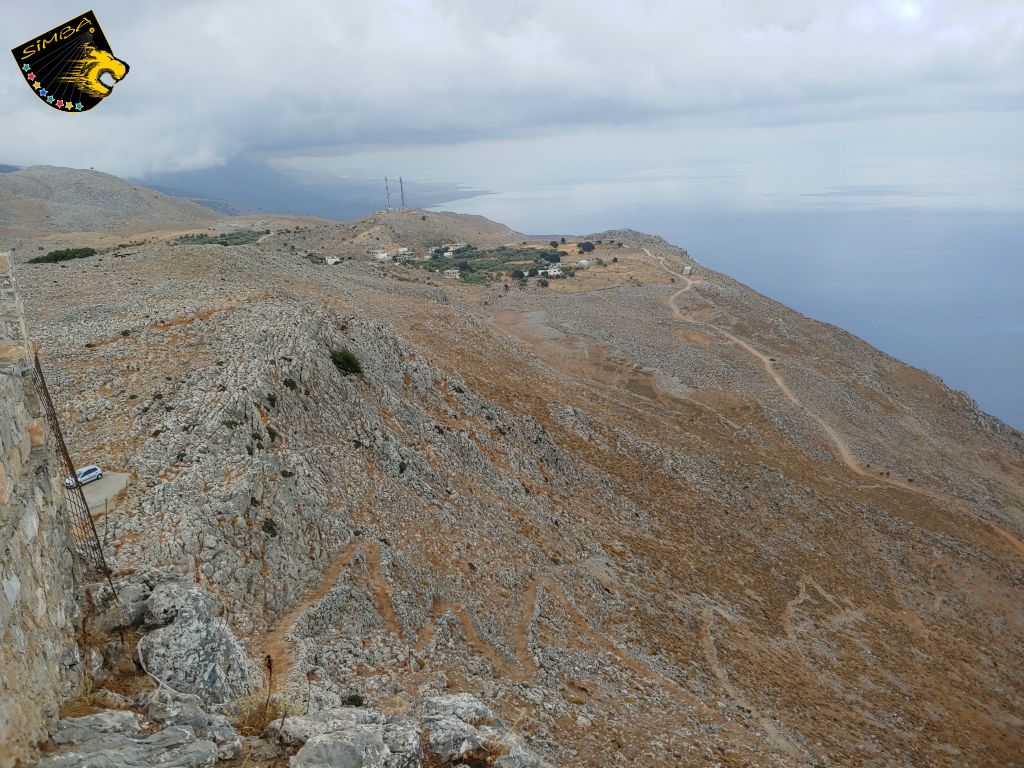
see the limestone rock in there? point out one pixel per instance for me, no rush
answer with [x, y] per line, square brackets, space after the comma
[115, 739]
[460, 727]
[170, 708]
[351, 736]
[190, 650]
[349, 746]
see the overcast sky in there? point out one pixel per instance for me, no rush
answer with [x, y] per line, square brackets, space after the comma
[802, 100]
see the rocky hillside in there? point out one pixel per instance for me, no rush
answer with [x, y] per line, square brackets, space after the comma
[44, 199]
[646, 518]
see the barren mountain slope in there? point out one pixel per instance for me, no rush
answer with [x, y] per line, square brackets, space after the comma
[44, 199]
[633, 511]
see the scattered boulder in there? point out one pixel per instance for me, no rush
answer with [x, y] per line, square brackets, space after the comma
[349, 746]
[349, 737]
[170, 708]
[459, 728]
[191, 651]
[115, 739]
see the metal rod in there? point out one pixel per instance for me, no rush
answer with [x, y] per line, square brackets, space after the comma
[74, 496]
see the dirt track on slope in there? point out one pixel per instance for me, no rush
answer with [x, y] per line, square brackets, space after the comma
[840, 447]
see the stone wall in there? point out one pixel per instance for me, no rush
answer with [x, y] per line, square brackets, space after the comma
[39, 658]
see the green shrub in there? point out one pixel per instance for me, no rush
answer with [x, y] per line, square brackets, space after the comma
[241, 237]
[63, 255]
[345, 361]
[270, 527]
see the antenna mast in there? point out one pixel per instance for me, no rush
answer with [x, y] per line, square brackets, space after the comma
[388, 190]
[402, 187]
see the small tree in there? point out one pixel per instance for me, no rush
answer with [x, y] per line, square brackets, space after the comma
[553, 243]
[543, 282]
[345, 361]
[586, 246]
[563, 240]
[531, 272]
[517, 274]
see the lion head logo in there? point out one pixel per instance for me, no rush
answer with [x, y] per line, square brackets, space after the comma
[86, 72]
[72, 67]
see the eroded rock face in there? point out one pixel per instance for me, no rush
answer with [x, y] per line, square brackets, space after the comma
[170, 708]
[448, 730]
[460, 727]
[115, 739]
[189, 649]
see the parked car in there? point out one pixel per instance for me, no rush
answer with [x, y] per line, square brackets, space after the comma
[85, 475]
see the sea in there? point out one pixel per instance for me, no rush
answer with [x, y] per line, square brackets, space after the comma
[939, 288]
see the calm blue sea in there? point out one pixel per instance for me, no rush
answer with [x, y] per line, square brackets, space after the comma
[941, 289]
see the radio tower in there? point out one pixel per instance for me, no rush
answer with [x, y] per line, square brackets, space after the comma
[388, 190]
[401, 186]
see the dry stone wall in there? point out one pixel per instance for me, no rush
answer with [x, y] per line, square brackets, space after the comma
[39, 658]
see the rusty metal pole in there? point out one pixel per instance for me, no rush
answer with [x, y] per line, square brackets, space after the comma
[74, 497]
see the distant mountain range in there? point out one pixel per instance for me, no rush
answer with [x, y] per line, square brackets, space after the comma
[246, 185]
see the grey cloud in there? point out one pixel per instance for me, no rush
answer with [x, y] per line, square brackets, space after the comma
[210, 80]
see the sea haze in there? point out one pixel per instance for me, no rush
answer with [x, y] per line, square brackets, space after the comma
[938, 288]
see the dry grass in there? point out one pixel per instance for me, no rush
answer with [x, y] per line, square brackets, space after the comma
[256, 711]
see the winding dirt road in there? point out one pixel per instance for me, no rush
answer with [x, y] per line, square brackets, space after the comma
[839, 445]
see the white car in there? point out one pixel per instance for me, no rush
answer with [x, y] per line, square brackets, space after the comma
[84, 475]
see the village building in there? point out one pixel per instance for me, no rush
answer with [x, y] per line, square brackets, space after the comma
[453, 274]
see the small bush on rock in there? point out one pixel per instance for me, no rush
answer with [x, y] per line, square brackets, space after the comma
[345, 361]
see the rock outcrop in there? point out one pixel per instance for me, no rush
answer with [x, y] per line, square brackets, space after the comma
[446, 730]
[189, 650]
[116, 739]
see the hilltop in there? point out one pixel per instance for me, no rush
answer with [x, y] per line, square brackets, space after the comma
[645, 514]
[44, 199]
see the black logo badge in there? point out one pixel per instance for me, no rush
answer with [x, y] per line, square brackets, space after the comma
[71, 67]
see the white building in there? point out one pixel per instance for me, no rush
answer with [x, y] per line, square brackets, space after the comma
[582, 264]
[687, 270]
[332, 261]
[382, 256]
[402, 258]
[453, 274]
[555, 272]
[449, 254]
[402, 252]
